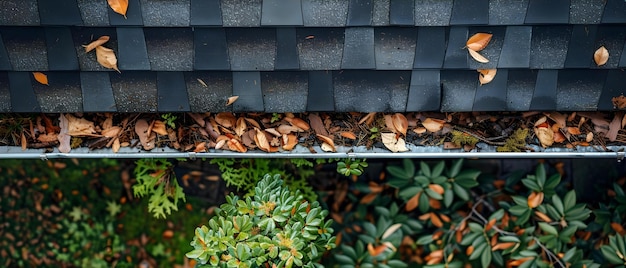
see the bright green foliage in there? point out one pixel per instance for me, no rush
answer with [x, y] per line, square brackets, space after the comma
[348, 167]
[274, 226]
[169, 120]
[245, 173]
[155, 177]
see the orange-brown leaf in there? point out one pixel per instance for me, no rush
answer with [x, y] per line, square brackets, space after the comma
[297, 122]
[41, 78]
[435, 220]
[400, 123]
[328, 141]
[505, 245]
[119, 6]
[241, 127]
[573, 130]
[601, 56]
[261, 140]
[433, 125]
[23, 141]
[96, 43]
[478, 41]
[535, 199]
[116, 145]
[226, 119]
[436, 187]
[542, 216]
[368, 198]
[348, 135]
[231, 100]
[618, 228]
[413, 202]
[485, 76]
[106, 58]
[235, 145]
[375, 251]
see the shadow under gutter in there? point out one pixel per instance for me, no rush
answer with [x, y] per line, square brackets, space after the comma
[616, 152]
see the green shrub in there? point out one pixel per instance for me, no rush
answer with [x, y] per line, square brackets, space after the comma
[274, 226]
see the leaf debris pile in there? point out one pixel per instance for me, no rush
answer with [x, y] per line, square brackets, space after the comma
[241, 132]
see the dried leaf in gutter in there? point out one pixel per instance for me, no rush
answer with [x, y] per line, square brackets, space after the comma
[317, 124]
[261, 140]
[400, 123]
[297, 122]
[145, 137]
[392, 143]
[111, 132]
[235, 145]
[348, 135]
[116, 145]
[119, 6]
[573, 130]
[486, 75]
[433, 125]
[601, 56]
[241, 126]
[23, 141]
[478, 41]
[106, 58]
[80, 126]
[231, 100]
[226, 119]
[545, 136]
[589, 137]
[477, 56]
[159, 127]
[327, 143]
[41, 78]
[290, 141]
[64, 138]
[368, 119]
[94, 44]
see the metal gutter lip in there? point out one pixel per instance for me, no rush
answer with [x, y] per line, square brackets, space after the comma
[616, 152]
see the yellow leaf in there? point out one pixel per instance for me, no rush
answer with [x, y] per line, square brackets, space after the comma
[106, 58]
[486, 75]
[478, 41]
[601, 56]
[119, 6]
[41, 78]
[545, 135]
[477, 56]
[231, 100]
[103, 39]
[392, 229]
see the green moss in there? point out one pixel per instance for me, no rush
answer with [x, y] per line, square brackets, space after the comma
[459, 138]
[516, 142]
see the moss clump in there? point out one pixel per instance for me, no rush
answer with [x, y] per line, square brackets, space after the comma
[515, 143]
[461, 139]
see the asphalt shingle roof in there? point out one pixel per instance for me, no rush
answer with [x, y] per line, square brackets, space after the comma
[311, 55]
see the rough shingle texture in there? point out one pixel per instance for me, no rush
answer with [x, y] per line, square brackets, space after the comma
[324, 55]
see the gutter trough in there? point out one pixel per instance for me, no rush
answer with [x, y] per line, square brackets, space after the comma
[432, 152]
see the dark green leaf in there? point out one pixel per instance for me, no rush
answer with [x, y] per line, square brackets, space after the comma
[343, 259]
[425, 169]
[478, 250]
[433, 194]
[448, 196]
[558, 204]
[460, 191]
[485, 258]
[531, 184]
[610, 255]
[424, 240]
[438, 169]
[396, 264]
[549, 229]
[423, 203]
[456, 168]
[569, 200]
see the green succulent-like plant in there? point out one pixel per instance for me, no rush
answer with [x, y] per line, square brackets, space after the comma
[275, 227]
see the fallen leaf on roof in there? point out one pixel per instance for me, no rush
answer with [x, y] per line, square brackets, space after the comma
[601, 56]
[106, 58]
[231, 100]
[393, 143]
[486, 75]
[558, 118]
[119, 6]
[433, 125]
[368, 119]
[202, 82]
[559, 137]
[111, 131]
[50, 137]
[619, 102]
[96, 43]
[477, 56]
[478, 41]
[41, 78]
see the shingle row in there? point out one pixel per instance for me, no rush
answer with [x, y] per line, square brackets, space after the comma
[315, 13]
[288, 48]
[299, 91]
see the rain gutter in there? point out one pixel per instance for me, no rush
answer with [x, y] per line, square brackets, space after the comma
[615, 152]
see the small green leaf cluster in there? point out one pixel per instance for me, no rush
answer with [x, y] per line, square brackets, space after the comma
[349, 167]
[155, 177]
[274, 226]
[169, 119]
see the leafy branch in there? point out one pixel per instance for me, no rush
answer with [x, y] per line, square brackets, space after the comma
[155, 177]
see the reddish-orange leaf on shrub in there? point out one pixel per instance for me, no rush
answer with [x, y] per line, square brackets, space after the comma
[542, 216]
[601, 56]
[469, 250]
[368, 198]
[119, 6]
[375, 251]
[413, 202]
[436, 188]
[435, 220]
[505, 245]
[618, 228]
[535, 199]
[41, 78]
[490, 224]
[434, 203]
[424, 217]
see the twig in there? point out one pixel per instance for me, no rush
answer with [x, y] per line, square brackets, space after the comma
[481, 138]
